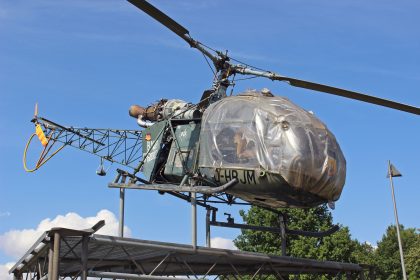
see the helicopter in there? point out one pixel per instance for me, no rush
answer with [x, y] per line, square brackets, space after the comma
[253, 146]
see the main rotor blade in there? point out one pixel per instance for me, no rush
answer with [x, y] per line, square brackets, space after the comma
[329, 89]
[352, 95]
[172, 25]
[161, 17]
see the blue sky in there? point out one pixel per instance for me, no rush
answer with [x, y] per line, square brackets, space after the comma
[86, 62]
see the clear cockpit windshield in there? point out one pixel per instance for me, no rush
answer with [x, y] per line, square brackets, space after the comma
[251, 131]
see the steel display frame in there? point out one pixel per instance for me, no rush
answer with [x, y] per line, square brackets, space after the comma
[73, 254]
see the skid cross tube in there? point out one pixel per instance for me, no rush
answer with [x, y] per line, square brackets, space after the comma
[176, 188]
[276, 229]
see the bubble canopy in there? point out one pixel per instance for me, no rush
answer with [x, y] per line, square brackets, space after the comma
[271, 134]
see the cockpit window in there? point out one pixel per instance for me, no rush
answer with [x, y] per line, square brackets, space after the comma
[252, 131]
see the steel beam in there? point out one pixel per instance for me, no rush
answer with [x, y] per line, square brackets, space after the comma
[118, 275]
[84, 257]
[276, 229]
[208, 237]
[122, 206]
[194, 220]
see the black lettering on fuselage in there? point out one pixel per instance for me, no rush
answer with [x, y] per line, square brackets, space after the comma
[243, 176]
[234, 174]
[228, 176]
[217, 175]
[243, 179]
[250, 176]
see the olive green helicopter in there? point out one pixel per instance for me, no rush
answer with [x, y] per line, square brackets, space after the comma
[254, 146]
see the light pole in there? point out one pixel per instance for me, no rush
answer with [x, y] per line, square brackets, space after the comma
[393, 172]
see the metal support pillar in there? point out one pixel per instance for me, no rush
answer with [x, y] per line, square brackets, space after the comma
[282, 234]
[372, 275]
[84, 257]
[208, 237]
[194, 219]
[54, 263]
[50, 257]
[121, 222]
[348, 276]
[122, 204]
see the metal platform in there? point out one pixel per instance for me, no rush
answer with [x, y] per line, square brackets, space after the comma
[70, 254]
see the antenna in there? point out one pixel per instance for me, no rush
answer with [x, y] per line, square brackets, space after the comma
[36, 110]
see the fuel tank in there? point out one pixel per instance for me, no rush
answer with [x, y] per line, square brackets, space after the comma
[282, 155]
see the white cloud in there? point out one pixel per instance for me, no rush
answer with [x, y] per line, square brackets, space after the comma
[4, 271]
[15, 243]
[223, 243]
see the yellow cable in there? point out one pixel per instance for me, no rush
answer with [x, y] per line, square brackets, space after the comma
[24, 155]
[41, 160]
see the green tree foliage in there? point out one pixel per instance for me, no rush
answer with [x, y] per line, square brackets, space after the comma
[363, 253]
[387, 255]
[336, 247]
[412, 259]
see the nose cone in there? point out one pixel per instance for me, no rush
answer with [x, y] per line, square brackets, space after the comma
[135, 111]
